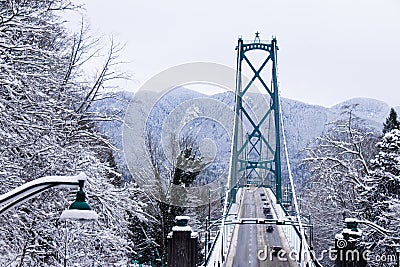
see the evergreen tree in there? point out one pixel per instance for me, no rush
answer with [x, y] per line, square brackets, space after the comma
[381, 203]
[187, 168]
[173, 181]
[391, 122]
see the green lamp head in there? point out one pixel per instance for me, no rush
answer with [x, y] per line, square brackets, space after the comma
[80, 203]
[79, 209]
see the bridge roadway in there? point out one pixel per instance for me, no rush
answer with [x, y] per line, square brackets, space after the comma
[252, 238]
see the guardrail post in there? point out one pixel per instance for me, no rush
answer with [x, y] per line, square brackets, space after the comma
[182, 244]
[347, 252]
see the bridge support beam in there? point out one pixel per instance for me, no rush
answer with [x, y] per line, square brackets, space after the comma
[256, 148]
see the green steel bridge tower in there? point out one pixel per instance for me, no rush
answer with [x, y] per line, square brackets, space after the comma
[255, 157]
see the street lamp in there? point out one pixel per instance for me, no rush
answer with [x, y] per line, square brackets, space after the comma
[79, 209]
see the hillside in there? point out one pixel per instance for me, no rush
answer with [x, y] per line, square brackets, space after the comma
[209, 118]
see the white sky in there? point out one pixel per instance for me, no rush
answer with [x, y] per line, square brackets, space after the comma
[330, 50]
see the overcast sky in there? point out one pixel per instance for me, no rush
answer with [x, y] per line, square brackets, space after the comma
[330, 50]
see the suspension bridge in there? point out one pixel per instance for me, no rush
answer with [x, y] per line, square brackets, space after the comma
[261, 223]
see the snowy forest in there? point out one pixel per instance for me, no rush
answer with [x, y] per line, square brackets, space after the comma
[48, 127]
[51, 124]
[354, 172]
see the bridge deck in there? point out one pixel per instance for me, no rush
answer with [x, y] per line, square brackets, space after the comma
[252, 245]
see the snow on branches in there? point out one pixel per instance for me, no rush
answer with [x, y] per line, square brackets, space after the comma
[48, 128]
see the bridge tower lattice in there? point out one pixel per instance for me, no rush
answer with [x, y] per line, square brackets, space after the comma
[255, 157]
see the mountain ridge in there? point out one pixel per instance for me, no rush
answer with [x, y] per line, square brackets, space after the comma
[303, 122]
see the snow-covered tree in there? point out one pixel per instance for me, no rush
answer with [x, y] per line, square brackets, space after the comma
[391, 122]
[48, 128]
[356, 174]
[172, 181]
[381, 203]
[338, 164]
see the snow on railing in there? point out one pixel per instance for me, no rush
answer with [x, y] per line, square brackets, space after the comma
[220, 248]
[291, 233]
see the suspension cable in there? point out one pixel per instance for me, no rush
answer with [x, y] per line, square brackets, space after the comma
[296, 206]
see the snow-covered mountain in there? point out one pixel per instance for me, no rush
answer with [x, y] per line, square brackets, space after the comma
[303, 122]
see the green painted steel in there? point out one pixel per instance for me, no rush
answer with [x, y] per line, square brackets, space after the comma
[255, 151]
[80, 202]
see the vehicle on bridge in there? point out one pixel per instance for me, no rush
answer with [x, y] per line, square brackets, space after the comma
[267, 210]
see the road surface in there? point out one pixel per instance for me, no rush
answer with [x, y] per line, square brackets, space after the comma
[253, 238]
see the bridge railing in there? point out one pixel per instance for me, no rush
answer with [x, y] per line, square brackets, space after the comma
[220, 246]
[292, 234]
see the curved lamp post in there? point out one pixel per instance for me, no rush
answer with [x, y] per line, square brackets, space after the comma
[77, 210]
